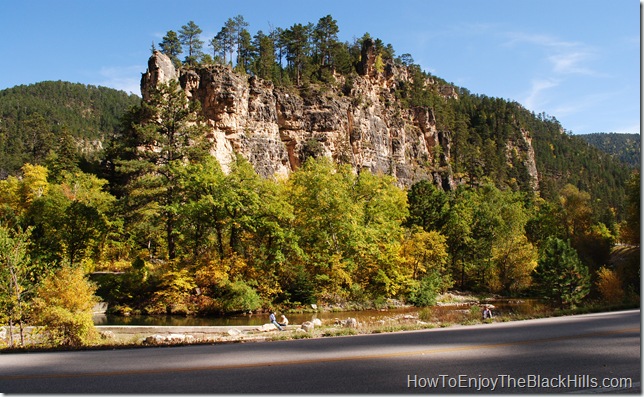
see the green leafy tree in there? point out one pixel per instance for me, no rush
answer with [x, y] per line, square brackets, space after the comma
[560, 276]
[15, 283]
[458, 230]
[383, 210]
[202, 217]
[425, 292]
[326, 221]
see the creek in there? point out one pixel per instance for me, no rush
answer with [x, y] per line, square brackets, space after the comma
[449, 312]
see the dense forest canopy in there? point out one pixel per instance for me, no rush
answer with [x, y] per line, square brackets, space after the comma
[192, 239]
[57, 118]
[624, 147]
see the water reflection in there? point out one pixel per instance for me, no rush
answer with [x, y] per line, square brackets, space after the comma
[500, 307]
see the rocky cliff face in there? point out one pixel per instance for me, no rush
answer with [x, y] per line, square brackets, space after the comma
[357, 122]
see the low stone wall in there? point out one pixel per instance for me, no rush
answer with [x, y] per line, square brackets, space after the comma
[172, 334]
[154, 334]
[159, 334]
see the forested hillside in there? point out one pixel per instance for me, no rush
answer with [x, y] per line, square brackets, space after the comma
[56, 119]
[192, 238]
[623, 147]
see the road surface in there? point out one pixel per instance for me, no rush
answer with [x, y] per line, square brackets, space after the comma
[585, 353]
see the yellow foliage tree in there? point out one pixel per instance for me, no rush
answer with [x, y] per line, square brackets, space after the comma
[610, 285]
[513, 261]
[63, 307]
[422, 251]
[34, 183]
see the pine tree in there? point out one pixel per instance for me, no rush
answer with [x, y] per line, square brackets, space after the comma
[171, 46]
[189, 37]
[167, 135]
[560, 275]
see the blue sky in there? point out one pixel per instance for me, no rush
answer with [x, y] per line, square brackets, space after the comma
[576, 60]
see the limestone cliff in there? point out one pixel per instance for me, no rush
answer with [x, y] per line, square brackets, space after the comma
[357, 121]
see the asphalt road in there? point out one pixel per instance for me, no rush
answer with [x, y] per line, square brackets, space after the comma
[585, 353]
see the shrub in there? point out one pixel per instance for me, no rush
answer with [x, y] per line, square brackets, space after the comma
[239, 297]
[427, 291]
[610, 285]
[63, 307]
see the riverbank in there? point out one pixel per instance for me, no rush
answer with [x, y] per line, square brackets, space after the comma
[114, 337]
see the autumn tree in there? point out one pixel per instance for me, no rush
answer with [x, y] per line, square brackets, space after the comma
[575, 212]
[424, 252]
[63, 306]
[609, 285]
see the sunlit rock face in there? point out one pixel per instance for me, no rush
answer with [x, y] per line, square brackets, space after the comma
[358, 121]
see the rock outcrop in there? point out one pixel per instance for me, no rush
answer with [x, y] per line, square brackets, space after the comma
[357, 120]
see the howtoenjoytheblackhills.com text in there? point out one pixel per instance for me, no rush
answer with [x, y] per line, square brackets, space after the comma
[500, 382]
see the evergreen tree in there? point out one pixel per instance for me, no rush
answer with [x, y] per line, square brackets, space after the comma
[242, 38]
[265, 66]
[171, 46]
[325, 37]
[560, 276]
[189, 37]
[168, 135]
[246, 52]
[297, 44]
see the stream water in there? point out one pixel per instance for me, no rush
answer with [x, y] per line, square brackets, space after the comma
[500, 307]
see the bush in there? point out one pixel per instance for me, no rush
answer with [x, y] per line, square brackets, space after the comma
[610, 285]
[426, 293]
[239, 297]
[63, 307]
